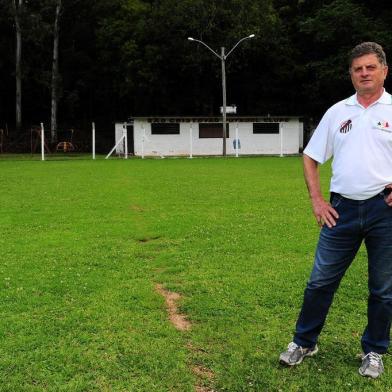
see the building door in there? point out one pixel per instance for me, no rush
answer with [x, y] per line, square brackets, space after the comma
[131, 144]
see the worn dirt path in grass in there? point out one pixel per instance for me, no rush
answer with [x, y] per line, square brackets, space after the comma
[177, 319]
[180, 322]
[203, 375]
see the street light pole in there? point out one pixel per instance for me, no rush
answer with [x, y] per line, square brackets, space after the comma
[223, 58]
[223, 99]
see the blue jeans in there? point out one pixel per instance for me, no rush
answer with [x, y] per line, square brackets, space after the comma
[369, 220]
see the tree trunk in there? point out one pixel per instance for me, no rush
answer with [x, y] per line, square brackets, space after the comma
[55, 73]
[18, 68]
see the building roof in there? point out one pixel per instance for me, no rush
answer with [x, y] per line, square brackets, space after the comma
[231, 118]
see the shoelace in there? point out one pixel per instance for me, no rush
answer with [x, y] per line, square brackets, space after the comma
[374, 359]
[292, 347]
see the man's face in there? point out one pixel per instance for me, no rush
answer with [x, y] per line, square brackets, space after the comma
[368, 74]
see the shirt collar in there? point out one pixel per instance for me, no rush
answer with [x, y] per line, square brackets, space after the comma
[385, 98]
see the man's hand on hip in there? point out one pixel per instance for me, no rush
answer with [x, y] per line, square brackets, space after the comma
[325, 213]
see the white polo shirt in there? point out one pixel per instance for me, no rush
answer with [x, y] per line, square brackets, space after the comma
[360, 141]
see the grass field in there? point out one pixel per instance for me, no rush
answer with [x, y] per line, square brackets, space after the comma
[84, 243]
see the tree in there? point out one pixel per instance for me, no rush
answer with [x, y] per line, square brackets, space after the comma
[55, 71]
[110, 59]
[327, 31]
[18, 7]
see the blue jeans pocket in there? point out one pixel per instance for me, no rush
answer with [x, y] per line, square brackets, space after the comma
[336, 199]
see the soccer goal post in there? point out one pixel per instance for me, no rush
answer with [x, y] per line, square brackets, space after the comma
[122, 142]
[42, 142]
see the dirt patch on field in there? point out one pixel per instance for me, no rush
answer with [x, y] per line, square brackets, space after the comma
[147, 239]
[136, 208]
[204, 376]
[199, 388]
[176, 318]
[203, 372]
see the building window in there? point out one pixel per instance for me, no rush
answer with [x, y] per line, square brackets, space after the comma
[165, 128]
[212, 130]
[265, 127]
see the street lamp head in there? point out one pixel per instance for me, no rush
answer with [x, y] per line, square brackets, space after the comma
[191, 39]
[251, 36]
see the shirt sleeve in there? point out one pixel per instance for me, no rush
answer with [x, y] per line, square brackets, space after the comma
[320, 146]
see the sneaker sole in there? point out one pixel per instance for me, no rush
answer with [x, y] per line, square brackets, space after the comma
[309, 354]
[368, 375]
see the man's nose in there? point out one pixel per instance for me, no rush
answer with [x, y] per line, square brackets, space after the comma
[364, 71]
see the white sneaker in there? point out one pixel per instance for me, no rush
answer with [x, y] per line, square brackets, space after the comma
[372, 365]
[295, 354]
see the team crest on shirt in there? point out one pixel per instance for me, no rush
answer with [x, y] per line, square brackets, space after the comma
[346, 126]
[383, 126]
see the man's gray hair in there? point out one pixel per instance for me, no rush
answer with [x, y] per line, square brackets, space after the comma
[368, 48]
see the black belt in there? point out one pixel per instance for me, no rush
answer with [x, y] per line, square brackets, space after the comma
[385, 192]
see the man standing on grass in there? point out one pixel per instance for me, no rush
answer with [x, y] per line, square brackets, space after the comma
[357, 133]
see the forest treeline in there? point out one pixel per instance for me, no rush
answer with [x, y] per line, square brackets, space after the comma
[123, 58]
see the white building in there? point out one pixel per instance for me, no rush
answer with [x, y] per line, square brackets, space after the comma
[185, 136]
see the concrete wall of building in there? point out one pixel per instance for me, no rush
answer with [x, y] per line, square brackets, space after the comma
[288, 141]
